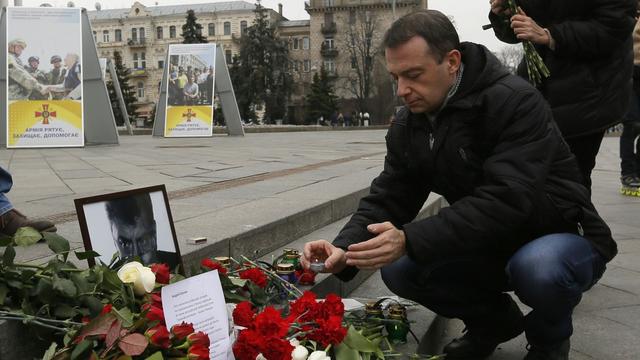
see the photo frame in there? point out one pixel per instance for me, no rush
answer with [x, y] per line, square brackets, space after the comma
[133, 223]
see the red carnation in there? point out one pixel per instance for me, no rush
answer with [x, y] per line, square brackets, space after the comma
[198, 338]
[256, 275]
[332, 306]
[270, 323]
[248, 345]
[304, 309]
[162, 273]
[213, 265]
[198, 352]
[277, 349]
[158, 336]
[329, 331]
[181, 331]
[106, 309]
[155, 314]
[305, 277]
[244, 314]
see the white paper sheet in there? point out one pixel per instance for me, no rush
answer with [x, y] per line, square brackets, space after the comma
[199, 300]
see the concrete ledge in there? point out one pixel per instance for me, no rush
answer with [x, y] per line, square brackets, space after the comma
[268, 129]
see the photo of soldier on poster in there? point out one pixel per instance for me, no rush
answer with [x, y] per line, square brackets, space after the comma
[190, 81]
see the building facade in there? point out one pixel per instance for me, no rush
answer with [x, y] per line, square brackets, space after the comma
[330, 38]
[142, 35]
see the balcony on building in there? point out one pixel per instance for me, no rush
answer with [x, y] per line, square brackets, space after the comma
[140, 42]
[328, 51]
[332, 74]
[138, 73]
[323, 4]
[328, 28]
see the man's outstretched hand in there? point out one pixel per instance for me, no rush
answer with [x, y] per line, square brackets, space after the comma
[333, 257]
[385, 248]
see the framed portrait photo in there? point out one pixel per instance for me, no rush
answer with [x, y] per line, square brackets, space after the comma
[134, 224]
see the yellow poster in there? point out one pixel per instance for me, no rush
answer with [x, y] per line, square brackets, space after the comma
[44, 78]
[190, 90]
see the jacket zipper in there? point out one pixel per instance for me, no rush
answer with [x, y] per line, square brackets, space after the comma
[431, 140]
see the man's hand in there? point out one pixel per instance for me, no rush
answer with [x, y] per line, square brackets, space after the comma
[526, 29]
[333, 257]
[498, 7]
[385, 248]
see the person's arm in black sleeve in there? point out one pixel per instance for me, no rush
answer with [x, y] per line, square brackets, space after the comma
[501, 26]
[609, 26]
[513, 172]
[395, 196]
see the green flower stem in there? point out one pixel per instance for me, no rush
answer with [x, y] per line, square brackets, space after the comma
[18, 316]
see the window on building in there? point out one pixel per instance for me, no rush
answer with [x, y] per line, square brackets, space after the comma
[143, 61]
[306, 65]
[105, 35]
[296, 44]
[227, 28]
[140, 90]
[305, 43]
[134, 34]
[135, 60]
[118, 35]
[243, 27]
[228, 56]
[329, 43]
[141, 33]
[352, 17]
[159, 33]
[330, 66]
[172, 32]
[328, 18]
[95, 37]
[329, 3]
[160, 64]
[296, 66]
[354, 62]
[212, 29]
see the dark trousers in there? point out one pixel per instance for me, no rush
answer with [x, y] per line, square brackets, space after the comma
[629, 148]
[585, 148]
[548, 274]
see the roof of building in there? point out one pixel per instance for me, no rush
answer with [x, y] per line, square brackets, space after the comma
[173, 9]
[294, 23]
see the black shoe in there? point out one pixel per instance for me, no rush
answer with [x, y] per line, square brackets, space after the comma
[482, 338]
[559, 351]
[12, 220]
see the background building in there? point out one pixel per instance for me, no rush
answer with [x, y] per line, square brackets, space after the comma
[142, 35]
[343, 36]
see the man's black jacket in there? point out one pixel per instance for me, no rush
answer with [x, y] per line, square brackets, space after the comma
[498, 159]
[590, 83]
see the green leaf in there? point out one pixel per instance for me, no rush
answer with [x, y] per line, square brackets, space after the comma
[238, 282]
[64, 311]
[4, 290]
[84, 255]
[50, 352]
[258, 295]
[9, 255]
[233, 297]
[65, 287]
[5, 240]
[357, 341]
[81, 349]
[99, 326]
[176, 278]
[57, 243]
[80, 279]
[111, 281]
[156, 356]
[344, 352]
[95, 306]
[43, 289]
[113, 334]
[27, 236]
[133, 344]
[125, 315]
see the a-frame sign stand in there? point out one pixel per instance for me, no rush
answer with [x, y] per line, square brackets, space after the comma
[223, 88]
[99, 123]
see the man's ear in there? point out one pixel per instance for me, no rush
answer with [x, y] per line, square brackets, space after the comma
[453, 59]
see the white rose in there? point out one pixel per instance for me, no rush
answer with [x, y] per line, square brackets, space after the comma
[294, 342]
[299, 353]
[260, 357]
[143, 279]
[318, 355]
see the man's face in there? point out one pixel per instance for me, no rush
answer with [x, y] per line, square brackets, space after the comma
[69, 60]
[17, 49]
[422, 82]
[57, 64]
[135, 240]
[34, 64]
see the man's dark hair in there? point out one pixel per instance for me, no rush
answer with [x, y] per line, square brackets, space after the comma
[129, 210]
[431, 25]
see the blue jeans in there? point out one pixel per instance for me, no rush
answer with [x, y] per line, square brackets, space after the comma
[549, 274]
[5, 185]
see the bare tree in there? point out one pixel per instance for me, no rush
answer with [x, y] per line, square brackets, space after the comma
[362, 51]
[510, 57]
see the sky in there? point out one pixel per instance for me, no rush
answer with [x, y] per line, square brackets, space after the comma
[468, 15]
